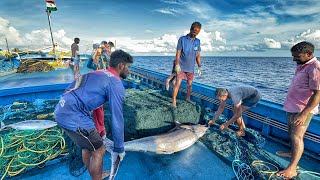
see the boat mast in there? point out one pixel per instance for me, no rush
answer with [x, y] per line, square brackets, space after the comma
[49, 20]
[7, 44]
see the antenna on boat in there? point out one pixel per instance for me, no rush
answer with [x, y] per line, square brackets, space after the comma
[7, 44]
[51, 6]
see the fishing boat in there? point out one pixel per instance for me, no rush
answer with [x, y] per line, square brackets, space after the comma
[196, 162]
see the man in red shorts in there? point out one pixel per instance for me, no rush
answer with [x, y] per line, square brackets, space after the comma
[188, 51]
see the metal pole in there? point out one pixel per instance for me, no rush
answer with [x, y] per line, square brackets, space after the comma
[7, 44]
[48, 13]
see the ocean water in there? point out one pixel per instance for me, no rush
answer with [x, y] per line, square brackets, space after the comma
[271, 75]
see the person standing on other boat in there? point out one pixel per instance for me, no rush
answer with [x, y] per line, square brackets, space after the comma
[188, 51]
[302, 102]
[88, 92]
[243, 97]
[75, 58]
[99, 56]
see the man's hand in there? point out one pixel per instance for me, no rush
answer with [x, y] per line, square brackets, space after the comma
[199, 71]
[224, 126]
[300, 119]
[177, 69]
[121, 155]
[211, 122]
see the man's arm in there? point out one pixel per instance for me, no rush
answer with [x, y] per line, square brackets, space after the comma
[198, 59]
[178, 53]
[219, 111]
[116, 97]
[312, 103]
[237, 114]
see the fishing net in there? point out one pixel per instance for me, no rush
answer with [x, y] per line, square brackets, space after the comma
[146, 113]
[33, 65]
[249, 161]
[24, 150]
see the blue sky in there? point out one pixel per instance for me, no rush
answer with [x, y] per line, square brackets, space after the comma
[152, 27]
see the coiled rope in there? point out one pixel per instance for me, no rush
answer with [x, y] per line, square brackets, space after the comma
[24, 150]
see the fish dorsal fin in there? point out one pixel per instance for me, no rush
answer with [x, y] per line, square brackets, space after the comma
[182, 126]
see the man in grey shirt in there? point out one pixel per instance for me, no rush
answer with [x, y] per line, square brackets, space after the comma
[243, 97]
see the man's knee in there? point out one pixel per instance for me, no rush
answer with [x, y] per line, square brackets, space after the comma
[189, 84]
[99, 152]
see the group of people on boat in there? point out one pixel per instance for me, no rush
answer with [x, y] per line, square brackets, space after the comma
[80, 109]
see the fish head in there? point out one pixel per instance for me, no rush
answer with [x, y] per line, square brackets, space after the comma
[199, 129]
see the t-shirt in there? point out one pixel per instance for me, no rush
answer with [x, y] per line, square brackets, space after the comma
[74, 49]
[239, 93]
[74, 108]
[189, 50]
[305, 80]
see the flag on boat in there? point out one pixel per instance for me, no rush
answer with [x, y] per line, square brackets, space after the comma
[51, 5]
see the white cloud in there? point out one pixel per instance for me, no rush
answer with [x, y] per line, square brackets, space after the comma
[170, 11]
[309, 7]
[271, 43]
[310, 35]
[9, 32]
[199, 9]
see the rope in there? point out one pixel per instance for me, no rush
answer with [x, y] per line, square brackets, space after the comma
[24, 150]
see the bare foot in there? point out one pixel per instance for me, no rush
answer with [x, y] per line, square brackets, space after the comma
[284, 154]
[191, 102]
[105, 174]
[287, 173]
[241, 133]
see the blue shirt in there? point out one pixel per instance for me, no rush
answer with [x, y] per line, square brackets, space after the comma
[189, 50]
[74, 108]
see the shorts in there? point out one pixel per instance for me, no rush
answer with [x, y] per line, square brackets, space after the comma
[185, 75]
[88, 139]
[252, 100]
[75, 61]
[291, 118]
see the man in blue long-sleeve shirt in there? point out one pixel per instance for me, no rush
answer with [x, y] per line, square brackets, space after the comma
[89, 92]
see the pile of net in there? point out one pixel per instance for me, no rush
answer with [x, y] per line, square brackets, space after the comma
[34, 65]
[149, 112]
[245, 154]
[146, 113]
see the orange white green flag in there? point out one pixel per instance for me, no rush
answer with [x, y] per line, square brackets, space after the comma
[51, 5]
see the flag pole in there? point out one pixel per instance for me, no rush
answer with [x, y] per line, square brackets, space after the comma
[54, 49]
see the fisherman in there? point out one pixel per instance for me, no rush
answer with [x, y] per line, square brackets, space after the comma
[75, 58]
[302, 102]
[243, 97]
[100, 56]
[188, 51]
[89, 92]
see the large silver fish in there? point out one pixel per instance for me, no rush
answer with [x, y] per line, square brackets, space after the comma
[177, 139]
[30, 125]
